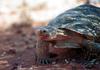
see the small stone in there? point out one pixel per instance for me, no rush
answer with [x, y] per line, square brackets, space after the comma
[3, 54]
[3, 62]
[11, 51]
[53, 62]
[66, 61]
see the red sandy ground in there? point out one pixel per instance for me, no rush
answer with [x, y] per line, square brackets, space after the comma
[19, 47]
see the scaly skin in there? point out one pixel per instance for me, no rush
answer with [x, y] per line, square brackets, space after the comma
[45, 46]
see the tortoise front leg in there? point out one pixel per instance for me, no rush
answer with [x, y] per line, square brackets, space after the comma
[42, 47]
[42, 53]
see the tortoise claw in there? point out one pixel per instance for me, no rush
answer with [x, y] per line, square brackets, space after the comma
[44, 61]
[90, 64]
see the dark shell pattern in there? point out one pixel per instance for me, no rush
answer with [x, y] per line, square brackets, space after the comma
[84, 19]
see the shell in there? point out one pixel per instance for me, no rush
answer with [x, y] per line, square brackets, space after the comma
[84, 19]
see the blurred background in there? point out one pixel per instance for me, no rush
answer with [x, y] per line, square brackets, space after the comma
[35, 12]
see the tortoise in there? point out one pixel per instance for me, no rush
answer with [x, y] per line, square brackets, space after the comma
[82, 23]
